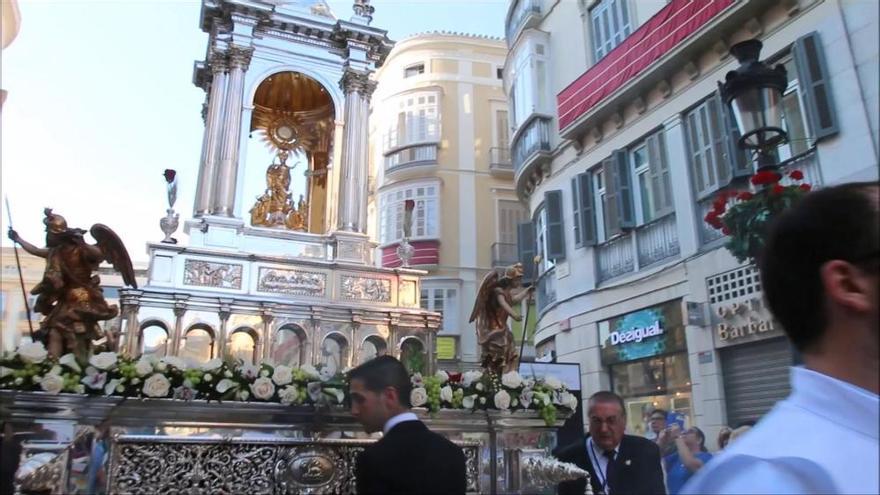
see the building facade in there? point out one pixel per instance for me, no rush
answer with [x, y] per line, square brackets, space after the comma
[439, 137]
[621, 166]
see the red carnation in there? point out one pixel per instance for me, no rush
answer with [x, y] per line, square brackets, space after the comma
[796, 175]
[454, 377]
[745, 196]
[777, 189]
[169, 175]
[712, 219]
[765, 177]
[805, 187]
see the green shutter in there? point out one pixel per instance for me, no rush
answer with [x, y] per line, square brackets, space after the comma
[525, 246]
[814, 81]
[555, 225]
[623, 185]
[576, 213]
[587, 208]
[658, 173]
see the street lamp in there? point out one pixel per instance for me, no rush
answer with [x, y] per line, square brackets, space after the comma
[753, 92]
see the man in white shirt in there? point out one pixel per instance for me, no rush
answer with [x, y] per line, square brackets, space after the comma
[821, 275]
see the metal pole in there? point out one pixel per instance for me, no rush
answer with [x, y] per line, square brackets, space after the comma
[525, 321]
[27, 307]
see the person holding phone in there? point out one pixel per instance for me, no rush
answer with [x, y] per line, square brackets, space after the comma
[689, 456]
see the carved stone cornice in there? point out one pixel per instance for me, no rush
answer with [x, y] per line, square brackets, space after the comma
[357, 82]
[362, 8]
[219, 62]
[240, 57]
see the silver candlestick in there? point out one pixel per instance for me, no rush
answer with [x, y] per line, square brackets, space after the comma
[171, 220]
[405, 252]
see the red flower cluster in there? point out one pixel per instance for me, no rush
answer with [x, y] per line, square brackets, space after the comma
[745, 196]
[765, 177]
[805, 187]
[777, 189]
[796, 175]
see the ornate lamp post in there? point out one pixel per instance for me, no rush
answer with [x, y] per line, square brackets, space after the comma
[754, 94]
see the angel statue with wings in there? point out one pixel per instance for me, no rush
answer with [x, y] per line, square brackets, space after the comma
[494, 304]
[69, 296]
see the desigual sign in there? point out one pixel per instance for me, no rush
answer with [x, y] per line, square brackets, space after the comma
[636, 334]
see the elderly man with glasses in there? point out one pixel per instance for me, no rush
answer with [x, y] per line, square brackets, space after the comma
[618, 464]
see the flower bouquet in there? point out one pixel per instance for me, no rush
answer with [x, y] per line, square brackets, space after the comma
[744, 216]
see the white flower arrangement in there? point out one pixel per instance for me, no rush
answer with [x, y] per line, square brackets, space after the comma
[103, 361]
[418, 397]
[32, 352]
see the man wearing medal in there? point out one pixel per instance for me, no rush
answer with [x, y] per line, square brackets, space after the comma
[618, 464]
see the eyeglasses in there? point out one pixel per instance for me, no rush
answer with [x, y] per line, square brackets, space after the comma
[611, 421]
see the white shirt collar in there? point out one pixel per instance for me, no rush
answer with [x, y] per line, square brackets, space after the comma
[825, 396]
[400, 418]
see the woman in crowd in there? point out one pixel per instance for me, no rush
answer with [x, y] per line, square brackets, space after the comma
[690, 456]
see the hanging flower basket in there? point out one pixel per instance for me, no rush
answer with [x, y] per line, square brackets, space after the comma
[744, 216]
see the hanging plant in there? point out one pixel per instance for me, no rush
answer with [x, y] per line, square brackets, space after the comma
[744, 216]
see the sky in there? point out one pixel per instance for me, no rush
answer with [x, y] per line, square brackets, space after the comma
[100, 102]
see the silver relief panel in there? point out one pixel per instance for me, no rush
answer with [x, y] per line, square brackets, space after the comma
[365, 288]
[292, 282]
[210, 274]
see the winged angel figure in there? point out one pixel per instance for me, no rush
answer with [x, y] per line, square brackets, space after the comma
[495, 300]
[69, 296]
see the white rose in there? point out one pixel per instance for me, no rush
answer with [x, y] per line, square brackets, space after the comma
[156, 386]
[511, 379]
[112, 386]
[288, 394]
[568, 400]
[224, 385]
[143, 367]
[161, 366]
[103, 361]
[442, 376]
[482, 400]
[470, 377]
[263, 388]
[446, 393]
[52, 383]
[212, 364]
[418, 397]
[309, 370]
[175, 362]
[552, 382]
[18, 381]
[282, 375]
[502, 400]
[480, 386]
[32, 352]
[468, 401]
[69, 360]
[207, 377]
[135, 380]
[264, 373]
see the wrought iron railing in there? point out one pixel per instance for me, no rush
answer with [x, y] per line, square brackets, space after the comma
[503, 254]
[499, 159]
[414, 154]
[657, 241]
[534, 138]
[523, 9]
[615, 257]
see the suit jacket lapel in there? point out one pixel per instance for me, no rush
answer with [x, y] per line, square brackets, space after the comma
[588, 465]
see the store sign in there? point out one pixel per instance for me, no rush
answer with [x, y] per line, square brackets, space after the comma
[742, 321]
[648, 332]
[636, 334]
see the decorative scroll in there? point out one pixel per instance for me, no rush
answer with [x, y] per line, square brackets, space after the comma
[365, 289]
[292, 282]
[143, 464]
[209, 274]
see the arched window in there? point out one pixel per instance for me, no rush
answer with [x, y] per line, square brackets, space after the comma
[242, 345]
[412, 355]
[197, 344]
[334, 351]
[154, 339]
[289, 348]
[372, 347]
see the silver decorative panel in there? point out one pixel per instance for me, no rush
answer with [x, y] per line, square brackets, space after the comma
[365, 288]
[292, 282]
[353, 251]
[210, 274]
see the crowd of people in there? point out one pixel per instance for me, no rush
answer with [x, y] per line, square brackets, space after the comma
[821, 275]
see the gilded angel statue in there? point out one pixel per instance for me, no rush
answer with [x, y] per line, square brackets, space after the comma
[494, 304]
[69, 296]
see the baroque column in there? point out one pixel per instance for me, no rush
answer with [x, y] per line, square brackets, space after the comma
[265, 346]
[353, 173]
[224, 195]
[224, 314]
[211, 140]
[179, 311]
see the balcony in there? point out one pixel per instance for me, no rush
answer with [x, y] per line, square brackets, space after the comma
[503, 254]
[523, 15]
[499, 162]
[418, 154]
[615, 257]
[416, 131]
[546, 291]
[531, 145]
[657, 241]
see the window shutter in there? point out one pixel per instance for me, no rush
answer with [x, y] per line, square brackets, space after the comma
[555, 227]
[815, 82]
[588, 212]
[576, 210]
[525, 246]
[623, 186]
[612, 213]
[658, 170]
[734, 157]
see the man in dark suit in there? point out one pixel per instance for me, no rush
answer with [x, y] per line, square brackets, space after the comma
[408, 458]
[618, 464]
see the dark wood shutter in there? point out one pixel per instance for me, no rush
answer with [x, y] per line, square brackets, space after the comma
[576, 213]
[612, 214]
[525, 246]
[658, 173]
[588, 209]
[622, 184]
[555, 225]
[814, 81]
